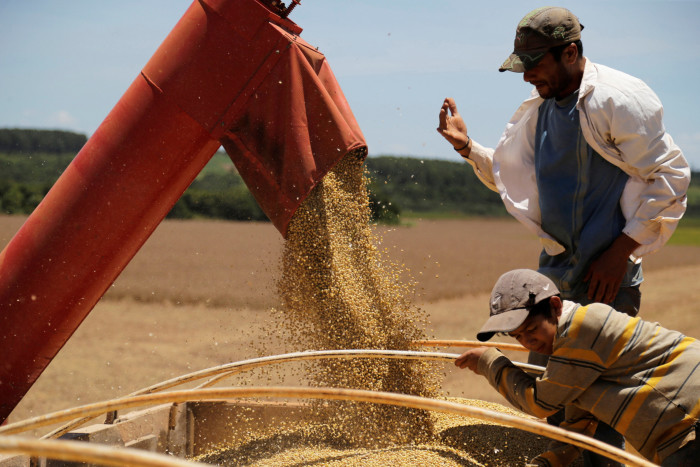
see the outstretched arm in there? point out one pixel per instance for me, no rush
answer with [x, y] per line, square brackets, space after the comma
[454, 130]
[513, 383]
[518, 387]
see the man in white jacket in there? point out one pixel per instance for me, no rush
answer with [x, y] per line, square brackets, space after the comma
[618, 120]
[585, 163]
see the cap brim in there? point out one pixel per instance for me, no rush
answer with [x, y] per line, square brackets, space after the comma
[503, 322]
[520, 63]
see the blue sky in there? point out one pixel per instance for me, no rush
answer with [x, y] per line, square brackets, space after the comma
[65, 64]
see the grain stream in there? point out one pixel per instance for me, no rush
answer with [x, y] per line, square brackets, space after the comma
[338, 292]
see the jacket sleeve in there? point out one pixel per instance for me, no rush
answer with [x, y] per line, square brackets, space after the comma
[628, 119]
[481, 160]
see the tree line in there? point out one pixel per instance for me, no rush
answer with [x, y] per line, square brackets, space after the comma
[397, 185]
[28, 141]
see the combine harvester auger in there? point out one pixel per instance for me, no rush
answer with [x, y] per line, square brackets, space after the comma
[232, 73]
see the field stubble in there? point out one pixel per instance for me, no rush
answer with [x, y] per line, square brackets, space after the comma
[199, 293]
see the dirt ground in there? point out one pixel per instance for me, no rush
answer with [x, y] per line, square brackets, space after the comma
[200, 294]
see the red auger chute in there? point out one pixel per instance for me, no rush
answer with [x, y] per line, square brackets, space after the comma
[231, 72]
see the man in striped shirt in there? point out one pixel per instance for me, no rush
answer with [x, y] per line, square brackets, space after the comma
[636, 376]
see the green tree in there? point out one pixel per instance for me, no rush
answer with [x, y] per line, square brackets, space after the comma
[13, 140]
[13, 199]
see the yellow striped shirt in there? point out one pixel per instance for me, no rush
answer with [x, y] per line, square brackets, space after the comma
[636, 376]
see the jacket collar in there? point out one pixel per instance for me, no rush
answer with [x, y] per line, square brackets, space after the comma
[590, 77]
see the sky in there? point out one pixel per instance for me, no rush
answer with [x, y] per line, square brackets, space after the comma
[65, 64]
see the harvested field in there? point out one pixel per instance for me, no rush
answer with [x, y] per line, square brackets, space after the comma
[199, 294]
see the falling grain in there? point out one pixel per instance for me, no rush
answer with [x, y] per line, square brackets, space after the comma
[339, 293]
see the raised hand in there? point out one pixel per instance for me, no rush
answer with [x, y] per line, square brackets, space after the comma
[451, 126]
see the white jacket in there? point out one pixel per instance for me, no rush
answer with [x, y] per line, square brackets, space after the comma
[621, 119]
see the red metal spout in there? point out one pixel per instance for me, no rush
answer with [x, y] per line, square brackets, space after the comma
[231, 72]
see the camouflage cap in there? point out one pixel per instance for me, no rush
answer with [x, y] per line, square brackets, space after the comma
[540, 30]
[514, 294]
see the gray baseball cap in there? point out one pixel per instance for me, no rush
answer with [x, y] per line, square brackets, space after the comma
[514, 294]
[539, 31]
